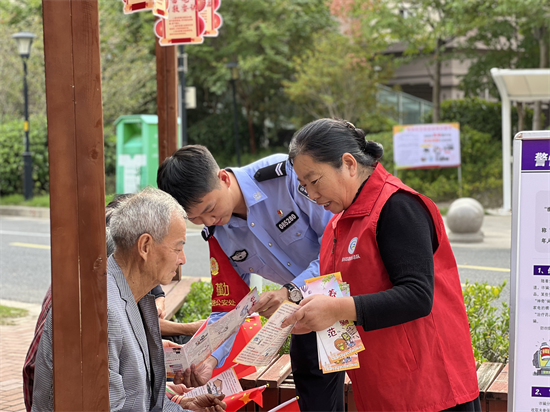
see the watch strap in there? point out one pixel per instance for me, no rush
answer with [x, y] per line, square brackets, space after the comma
[291, 287]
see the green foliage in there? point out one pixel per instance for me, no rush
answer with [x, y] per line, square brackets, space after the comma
[128, 63]
[17, 16]
[217, 133]
[481, 170]
[263, 37]
[110, 154]
[513, 33]
[336, 78]
[109, 198]
[480, 115]
[19, 200]
[198, 303]
[37, 201]
[489, 326]
[7, 313]
[11, 150]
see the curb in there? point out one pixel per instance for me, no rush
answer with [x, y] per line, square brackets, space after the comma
[25, 211]
[44, 213]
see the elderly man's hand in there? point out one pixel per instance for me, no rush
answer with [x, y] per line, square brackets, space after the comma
[269, 302]
[197, 376]
[204, 403]
[178, 389]
[169, 344]
[161, 306]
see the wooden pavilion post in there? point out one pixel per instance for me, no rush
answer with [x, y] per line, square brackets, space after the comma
[167, 105]
[77, 204]
[167, 100]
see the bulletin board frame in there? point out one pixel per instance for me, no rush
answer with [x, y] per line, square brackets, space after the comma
[529, 385]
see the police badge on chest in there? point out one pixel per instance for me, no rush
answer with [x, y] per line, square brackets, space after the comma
[239, 255]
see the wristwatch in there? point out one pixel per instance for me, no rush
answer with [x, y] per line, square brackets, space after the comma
[294, 293]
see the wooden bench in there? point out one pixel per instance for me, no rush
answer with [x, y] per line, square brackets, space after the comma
[281, 385]
[176, 292]
[494, 396]
[492, 380]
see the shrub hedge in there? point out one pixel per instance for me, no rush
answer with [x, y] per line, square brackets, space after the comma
[489, 325]
[12, 146]
[481, 115]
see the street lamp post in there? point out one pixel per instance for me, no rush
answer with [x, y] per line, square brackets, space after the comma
[24, 43]
[182, 69]
[234, 67]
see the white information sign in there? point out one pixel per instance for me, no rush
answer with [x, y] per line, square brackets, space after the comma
[529, 382]
[420, 146]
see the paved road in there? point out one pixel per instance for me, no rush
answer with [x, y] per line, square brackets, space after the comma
[25, 257]
[25, 265]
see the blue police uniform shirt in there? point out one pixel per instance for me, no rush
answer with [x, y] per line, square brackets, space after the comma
[280, 239]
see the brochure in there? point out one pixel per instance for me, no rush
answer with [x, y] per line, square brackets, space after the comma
[206, 341]
[263, 347]
[225, 383]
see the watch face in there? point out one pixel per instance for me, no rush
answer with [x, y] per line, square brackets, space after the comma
[295, 295]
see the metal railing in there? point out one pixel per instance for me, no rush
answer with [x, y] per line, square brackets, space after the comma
[404, 108]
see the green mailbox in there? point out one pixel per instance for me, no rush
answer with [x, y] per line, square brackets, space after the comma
[137, 152]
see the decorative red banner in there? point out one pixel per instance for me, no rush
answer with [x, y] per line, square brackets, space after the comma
[183, 24]
[212, 19]
[133, 6]
[160, 8]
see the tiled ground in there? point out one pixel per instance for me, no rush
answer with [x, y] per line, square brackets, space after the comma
[14, 343]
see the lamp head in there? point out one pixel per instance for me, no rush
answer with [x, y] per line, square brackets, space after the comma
[234, 67]
[24, 42]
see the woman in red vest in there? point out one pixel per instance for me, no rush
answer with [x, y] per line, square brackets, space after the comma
[389, 243]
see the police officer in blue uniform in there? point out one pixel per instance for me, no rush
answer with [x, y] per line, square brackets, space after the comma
[266, 224]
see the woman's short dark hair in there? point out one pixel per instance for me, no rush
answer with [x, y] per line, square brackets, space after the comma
[188, 175]
[326, 140]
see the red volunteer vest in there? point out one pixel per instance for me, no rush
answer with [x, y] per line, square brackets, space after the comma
[228, 287]
[423, 365]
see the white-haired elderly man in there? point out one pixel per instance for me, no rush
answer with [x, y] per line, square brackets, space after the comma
[149, 233]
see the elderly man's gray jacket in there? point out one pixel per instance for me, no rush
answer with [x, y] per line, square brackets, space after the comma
[137, 376]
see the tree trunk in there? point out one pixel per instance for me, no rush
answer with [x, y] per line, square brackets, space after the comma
[521, 116]
[436, 91]
[541, 34]
[251, 138]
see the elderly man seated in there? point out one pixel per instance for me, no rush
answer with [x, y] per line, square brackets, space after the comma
[149, 233]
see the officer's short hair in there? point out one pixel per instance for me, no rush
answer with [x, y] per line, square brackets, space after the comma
[188, 175]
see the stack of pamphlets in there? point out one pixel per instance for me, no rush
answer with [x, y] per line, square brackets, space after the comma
[338, 345]
[206, 341]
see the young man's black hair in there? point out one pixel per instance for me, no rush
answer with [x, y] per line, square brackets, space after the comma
[188, 175]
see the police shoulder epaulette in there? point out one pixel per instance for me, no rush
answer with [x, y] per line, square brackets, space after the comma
[208, 232]
[271, 171]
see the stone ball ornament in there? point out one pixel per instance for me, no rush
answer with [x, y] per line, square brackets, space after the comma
[464, 219]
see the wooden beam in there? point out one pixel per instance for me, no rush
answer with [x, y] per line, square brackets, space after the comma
[167, 100]
[167, 105]
[77, 204]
